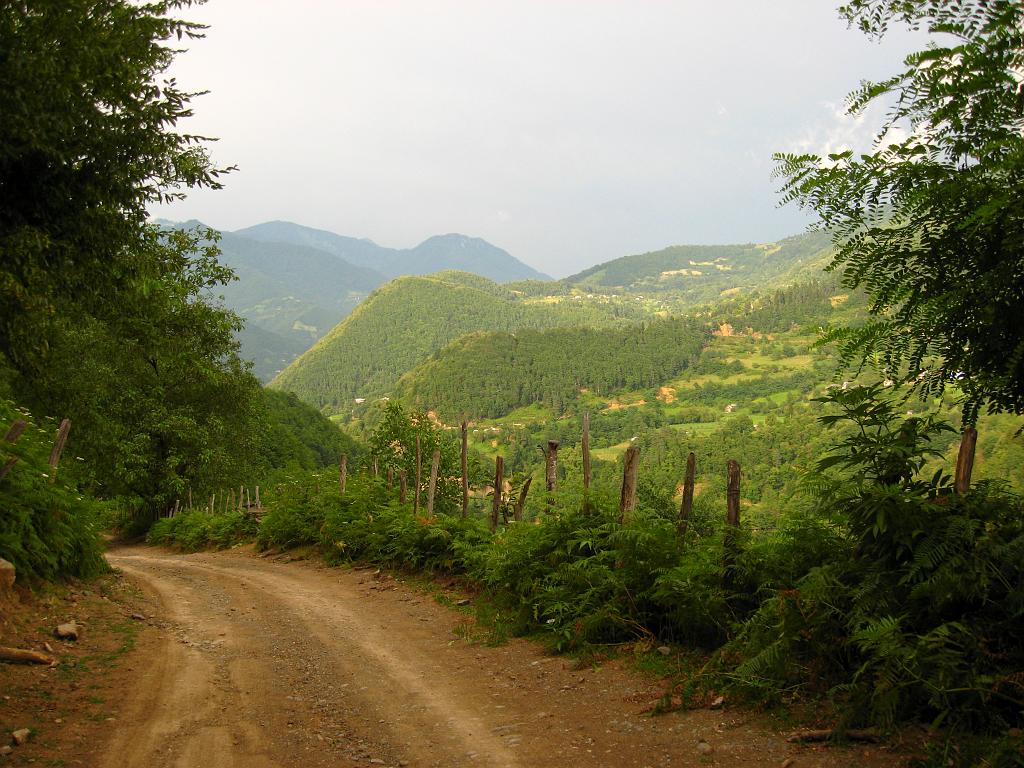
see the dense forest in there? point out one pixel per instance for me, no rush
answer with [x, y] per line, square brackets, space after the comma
[490, 374]
[407, 320]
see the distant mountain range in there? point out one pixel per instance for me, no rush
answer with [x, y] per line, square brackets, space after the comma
[295, 283]
[453, 251]
[467, 326]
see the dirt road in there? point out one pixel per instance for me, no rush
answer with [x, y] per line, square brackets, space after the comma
[265, 663]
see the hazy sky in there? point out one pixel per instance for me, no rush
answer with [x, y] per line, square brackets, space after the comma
[568, 132]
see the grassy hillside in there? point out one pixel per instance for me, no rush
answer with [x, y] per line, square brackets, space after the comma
[402, 323]
[703, 272]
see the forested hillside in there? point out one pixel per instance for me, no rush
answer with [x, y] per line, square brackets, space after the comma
[404, 322]
[490, 374]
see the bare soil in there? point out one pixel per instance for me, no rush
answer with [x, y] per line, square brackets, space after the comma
[238, 660]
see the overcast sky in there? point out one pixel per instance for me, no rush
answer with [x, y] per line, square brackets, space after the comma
[568, 132]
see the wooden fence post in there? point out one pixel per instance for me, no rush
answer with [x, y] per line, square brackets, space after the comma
[58, 448]
[391, 476]
[521, 501]
[686, 508]
[550, 465]
[373, 466]
[499, 479]
[586, 451]
[259, 504]
[432, 484]
[16, 430]
[732, 524]
[401, 486]
[630, 469]
[342, 473]
[965, 460]
[465, 470]
[419, 474]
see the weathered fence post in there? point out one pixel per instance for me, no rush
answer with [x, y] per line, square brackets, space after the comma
[499, 479]
[342, 473]
[373, 467]
[550, 465]
[177, 506]
[732, 524]
[521, 501]
[419, 476]
[630, 469]
[391, 476]
[401, 486]
[465, 469]
[432, 484]
[586, 451]
[58, 448]
[259, 504]
[686, 508]
[965, 460]
[16, 430]
[213, 502]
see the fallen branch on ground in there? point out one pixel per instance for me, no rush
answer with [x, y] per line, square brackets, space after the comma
[804, 737]
[24, 656]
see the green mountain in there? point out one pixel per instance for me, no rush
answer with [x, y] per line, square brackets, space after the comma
[402, 323]
[700, 273]
[289, 295]
[441, 252]
[489, 374]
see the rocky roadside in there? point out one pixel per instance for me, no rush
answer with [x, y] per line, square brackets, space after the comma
[95, 634]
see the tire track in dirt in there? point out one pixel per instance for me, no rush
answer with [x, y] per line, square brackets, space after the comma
[271, 664]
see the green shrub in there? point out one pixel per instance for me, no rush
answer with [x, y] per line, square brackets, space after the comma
[47, 530]
[196, 530]
[919, 615]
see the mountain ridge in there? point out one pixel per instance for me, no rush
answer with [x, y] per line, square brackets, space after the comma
[436, 253]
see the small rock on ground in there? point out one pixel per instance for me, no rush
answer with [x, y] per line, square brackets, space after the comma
[20, 736]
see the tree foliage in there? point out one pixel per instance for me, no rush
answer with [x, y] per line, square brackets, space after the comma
[103, 317]
[931, 222]
[490, 374]
[87, 141]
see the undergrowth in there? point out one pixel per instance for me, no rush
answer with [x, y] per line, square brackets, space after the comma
[194, 530]
[48, 530]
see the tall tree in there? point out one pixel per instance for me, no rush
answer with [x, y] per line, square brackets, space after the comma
[87, 142]
[103, 317]
[931, 221]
